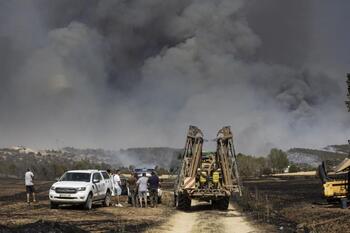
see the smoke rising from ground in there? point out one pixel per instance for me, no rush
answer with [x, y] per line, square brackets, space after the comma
[119, 74]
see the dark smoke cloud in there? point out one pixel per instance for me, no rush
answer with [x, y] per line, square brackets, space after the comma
[284, 29]
[136, 73]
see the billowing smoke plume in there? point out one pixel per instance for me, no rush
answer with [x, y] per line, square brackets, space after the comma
[119, 73]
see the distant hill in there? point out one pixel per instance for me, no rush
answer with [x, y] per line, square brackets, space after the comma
[333, 154]
[139, 157]
[345, 148]
[153, 156]
[49, 164]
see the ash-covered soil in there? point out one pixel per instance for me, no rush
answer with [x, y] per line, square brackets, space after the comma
[295, 205]
[289, 205]
[17, 216]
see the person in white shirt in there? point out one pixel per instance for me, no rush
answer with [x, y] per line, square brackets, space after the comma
[28, 179]
[111, 175]
[142, 187]
[117, 188]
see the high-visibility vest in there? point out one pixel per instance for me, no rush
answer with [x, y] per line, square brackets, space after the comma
[203, 178]
[216, 177]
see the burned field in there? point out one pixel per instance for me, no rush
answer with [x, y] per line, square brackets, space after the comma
[17, 216]
[280, 204]
[293, 204]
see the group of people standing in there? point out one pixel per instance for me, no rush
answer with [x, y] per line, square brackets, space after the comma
[138, 188]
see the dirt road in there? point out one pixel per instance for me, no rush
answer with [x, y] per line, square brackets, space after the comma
[202, 218]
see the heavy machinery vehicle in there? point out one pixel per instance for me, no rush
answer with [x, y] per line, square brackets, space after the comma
[334, 184]
[211, 177]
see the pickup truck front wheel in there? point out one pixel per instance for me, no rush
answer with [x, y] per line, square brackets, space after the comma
[107, 200]
[88, 203]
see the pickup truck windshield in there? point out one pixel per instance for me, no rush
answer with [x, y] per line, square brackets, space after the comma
[75, 176]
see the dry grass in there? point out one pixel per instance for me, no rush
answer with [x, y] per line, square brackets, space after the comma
[308, 173]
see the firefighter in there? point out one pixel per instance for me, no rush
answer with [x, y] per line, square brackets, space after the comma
[216, 178]
[203, 179]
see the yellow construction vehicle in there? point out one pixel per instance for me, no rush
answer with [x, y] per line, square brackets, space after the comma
[335, 184]
[336, 189]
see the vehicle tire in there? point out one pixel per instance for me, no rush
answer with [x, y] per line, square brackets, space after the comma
[53, 205]
[332, 200]
[88, 203]
[214, 204]
[107, 200]
[235, 197]
[343, 203]
[222, 204]
[183, 202]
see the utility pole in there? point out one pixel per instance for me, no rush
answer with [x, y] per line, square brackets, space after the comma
[347, 102]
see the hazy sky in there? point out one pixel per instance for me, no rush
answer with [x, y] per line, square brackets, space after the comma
[127, 73]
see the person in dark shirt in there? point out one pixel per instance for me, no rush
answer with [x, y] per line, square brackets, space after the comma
[153, 184]
[132, 188]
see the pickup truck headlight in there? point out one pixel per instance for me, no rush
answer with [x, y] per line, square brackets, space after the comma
[52, 188]
[81, 189]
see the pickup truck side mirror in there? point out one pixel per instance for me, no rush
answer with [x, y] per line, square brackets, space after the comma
[57, 179]
[95, 181]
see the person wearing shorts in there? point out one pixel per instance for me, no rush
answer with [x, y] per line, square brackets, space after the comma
[142, 187]
[28, 179]
[117, 188]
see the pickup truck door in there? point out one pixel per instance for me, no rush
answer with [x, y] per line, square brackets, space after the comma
[97, 186]
[108, 181]
[104, 184]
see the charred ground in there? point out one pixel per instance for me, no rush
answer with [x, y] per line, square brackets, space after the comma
[17, 216]
[278, 204]
[293, 205]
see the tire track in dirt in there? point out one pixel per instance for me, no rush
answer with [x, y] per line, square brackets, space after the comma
[201, 219]
[179, 222]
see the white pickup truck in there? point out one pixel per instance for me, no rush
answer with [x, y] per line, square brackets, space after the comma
[82, 187]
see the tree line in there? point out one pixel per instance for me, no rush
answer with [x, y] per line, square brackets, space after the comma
[275, 162]
[52, 166]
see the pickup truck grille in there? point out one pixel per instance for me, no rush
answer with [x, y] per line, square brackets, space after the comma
[66, 190]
